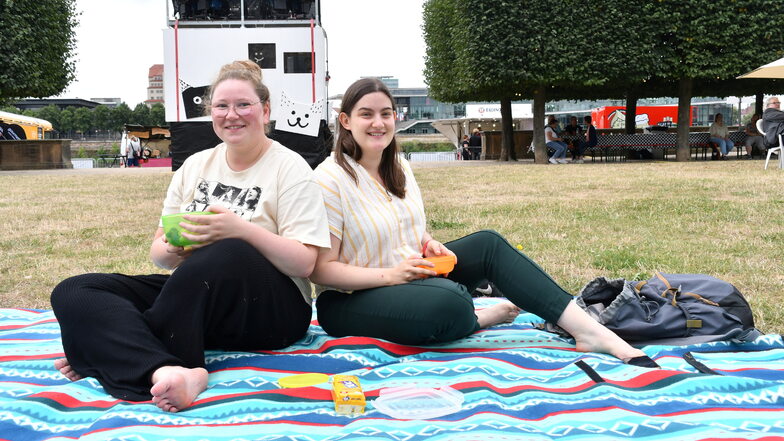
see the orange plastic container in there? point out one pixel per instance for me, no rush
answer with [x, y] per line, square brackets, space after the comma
[443, 264]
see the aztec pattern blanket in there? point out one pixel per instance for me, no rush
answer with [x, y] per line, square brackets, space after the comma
[519, 383]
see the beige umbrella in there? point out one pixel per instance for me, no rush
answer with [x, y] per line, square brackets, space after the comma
[770, 70]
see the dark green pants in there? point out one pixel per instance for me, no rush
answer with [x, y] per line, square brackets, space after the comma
[438, 309]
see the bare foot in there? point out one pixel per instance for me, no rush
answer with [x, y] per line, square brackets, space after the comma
[174, 387]
[62, 365]
[503, 312]
[590, 336]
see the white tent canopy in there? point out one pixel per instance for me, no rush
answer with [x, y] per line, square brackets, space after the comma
[454, 129]
[770, 70]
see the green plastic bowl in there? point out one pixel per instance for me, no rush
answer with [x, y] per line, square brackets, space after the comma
[173, 230]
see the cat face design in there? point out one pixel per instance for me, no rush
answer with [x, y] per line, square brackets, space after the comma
[299, 117]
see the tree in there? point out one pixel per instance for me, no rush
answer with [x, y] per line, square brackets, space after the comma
[37, 41]
[66, 123]
[121, 115]
[51, 113]
[102, 119]
[157, 115]
[83, 120]
[141, 115]
[480, 50]
[699, 50]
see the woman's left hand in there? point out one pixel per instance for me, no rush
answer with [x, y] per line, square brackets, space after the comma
[224, 224]
[436, 248]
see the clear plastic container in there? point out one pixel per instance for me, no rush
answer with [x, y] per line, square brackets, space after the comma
[418, 403]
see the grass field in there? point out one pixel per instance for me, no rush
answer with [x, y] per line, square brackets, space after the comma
[577, 221]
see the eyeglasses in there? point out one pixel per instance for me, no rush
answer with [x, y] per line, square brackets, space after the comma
[242, 109]
[775, 102]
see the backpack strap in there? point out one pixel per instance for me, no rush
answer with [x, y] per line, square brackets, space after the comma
[701, 368]
[592, 374]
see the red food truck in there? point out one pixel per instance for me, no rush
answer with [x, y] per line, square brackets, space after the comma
[614, 117]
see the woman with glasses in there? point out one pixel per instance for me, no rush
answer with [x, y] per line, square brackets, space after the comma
[243, 287]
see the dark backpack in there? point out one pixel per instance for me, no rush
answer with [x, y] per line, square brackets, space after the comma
[671, 309]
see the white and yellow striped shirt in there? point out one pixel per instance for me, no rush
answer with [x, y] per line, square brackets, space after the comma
[376, 228]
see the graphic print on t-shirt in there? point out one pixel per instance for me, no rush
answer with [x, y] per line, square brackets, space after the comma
[241, 201]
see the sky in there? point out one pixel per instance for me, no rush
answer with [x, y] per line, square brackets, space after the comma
[118, 41]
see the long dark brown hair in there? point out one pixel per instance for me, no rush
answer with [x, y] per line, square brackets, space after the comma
[390, 169]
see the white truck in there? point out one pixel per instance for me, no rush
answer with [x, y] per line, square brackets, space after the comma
[284, 37]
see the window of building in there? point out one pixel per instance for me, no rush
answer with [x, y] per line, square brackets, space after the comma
[296, 62]
[263, 54]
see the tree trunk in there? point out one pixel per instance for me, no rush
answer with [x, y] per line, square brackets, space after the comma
[540, 150]
[683, 152]
[758, 104]
[507, 133]
[631, 113]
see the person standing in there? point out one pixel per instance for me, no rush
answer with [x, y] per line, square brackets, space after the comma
[475, 144]
[133, 151]
[465, 152]
[243, 287]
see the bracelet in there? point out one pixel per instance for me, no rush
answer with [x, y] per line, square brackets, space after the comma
[424, 247]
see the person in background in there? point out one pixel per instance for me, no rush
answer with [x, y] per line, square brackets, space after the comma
[475, 144]
[773, 122]
[590, 140]
[374, 280]
[133, 151]
[753, 137]
[553, 141]
[719, 135]
[465, 152]
[243, 287]
[575, 133]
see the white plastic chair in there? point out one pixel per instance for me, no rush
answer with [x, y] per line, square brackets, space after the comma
[779, 149]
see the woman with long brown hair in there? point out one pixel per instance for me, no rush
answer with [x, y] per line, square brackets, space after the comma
[374, 280]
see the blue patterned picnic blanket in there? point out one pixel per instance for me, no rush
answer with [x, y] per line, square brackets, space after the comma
[519, 383]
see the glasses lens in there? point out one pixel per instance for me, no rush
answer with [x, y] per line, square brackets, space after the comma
[242, 109]
[219, 110]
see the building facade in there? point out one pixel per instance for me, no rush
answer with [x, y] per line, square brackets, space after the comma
[416, 110]
[155, 85]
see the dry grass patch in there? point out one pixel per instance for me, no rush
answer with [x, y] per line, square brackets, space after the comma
[577, 221]
[626, 220]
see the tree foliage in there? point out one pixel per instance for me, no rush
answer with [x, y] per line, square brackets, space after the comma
[479, 50]
[157, 115]
[37, 41]
[100, 120]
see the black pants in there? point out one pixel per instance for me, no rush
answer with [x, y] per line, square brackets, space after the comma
[120, 329]
[437, 309]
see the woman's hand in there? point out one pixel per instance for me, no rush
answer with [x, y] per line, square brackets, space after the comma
[408, 270]
[209, 228]
[182, 253]
[436, 248]
[166, 255]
